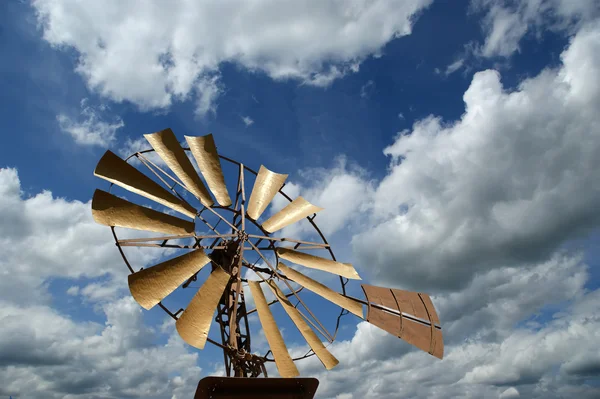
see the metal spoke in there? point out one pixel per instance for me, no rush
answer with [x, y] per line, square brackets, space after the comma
[327, 335]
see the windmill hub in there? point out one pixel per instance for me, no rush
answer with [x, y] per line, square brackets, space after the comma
[226, 256]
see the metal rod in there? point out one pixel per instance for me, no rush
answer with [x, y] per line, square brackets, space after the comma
[327, 335]
[283, 239]
[394, 312]
[128, 240]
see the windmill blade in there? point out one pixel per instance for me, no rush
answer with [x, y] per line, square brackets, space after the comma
[116, 170]
[283, 360]
[407, 315]
[110, 210]
[150, 286]
[319, 289]
[265, 188]
[315, 262]
[328, 360]
[194, 322]
[205, 152]
[167, 147]
[296, 210]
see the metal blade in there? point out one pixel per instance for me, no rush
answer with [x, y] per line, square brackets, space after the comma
[407, 315]
[205, 152]
[194, 322]
[265, 188]
[110, 210]
[413, 304]
[328, 360]
[283, 360]
[296, 210]
[315, 262]
[150, 286]
[167, 147]
[117, 171]
[319, 289]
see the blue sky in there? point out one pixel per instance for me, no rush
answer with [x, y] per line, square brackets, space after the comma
[453, 145]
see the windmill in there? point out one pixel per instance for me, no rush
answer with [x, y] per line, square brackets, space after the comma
[225, 236]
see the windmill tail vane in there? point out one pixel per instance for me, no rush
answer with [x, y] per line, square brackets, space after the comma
[191, 183]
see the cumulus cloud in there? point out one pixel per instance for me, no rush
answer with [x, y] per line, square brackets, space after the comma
[44, 236]
[495, 187]
[45, 354]
[344, 191]
[152, 55]
[91, 128]
[506, 22]
[520, 359]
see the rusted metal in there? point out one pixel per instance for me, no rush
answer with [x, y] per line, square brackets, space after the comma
[407, 315]
[272, 388]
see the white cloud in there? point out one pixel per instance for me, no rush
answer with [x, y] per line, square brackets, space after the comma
[91, 128]
[247, 120]
[511, 392]
[208, 89]
[47, 355]
[455, 66]
[344, 192]
[516, 360]
[506, 22]
[154, 54]
[58, 234]
[367, 89]
[497, 186]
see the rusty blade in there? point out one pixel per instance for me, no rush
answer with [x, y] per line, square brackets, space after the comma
[283, 360]
[167, 147]
[421, 335]
[315, 262]
[117, 171]
[150, 286]
[265, 188]
[205, 153]
[296, 210]
[194, 322]
[110, 210]
[328, 360]
[407, 307]
[326, 292]
[412, 303]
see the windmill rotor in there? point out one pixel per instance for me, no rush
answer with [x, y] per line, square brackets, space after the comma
[190, 183]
